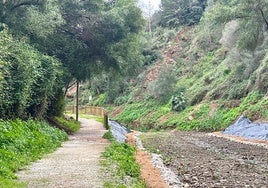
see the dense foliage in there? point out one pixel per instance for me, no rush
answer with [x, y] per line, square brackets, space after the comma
[181, 12]
[46, 45]
[219, 66]
[29, 79]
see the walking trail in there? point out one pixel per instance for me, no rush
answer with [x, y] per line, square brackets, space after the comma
[75, 164]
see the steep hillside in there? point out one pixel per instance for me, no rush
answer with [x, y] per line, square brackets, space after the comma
[199, 71]
[213, 85]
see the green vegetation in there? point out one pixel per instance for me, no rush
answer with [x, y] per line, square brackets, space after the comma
[46, 46]
[119, 158]
[109, 136]
[181, 12]
[198, 65]
[29, 79]
[206, 116]
[210, 73]
[22, 142]
[119, 161]
[69, 123]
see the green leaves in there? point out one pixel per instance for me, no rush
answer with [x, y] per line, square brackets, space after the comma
[121, 165]
[251, 14]
[85, 36]
[35, 17]
[43, 23]
[123, 155]
[181, 12]
[28, 79]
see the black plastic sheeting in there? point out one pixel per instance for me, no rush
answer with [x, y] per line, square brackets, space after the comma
[118, 131]
[245, 128]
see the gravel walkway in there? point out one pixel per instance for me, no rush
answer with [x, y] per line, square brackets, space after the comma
[75, 164]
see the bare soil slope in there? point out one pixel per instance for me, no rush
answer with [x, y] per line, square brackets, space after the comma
[75, 164]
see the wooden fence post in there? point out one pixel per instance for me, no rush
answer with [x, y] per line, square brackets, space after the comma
[106, 124]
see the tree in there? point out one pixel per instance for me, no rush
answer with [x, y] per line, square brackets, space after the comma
[181, 12]
[84, 36]
[35, 17]
[252, 16]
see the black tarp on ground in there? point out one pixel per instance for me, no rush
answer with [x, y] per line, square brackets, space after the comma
[245, 128]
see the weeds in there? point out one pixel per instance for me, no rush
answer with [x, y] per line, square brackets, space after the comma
[119, 158]
[152, 115]
[108, 135]
[22, 142]
[70, 123]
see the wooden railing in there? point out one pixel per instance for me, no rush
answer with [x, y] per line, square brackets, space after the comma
[90, 110]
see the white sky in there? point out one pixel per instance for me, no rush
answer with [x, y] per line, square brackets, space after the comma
[149, 5]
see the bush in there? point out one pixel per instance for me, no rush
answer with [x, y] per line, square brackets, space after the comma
[178, 102]
[29, 79]
[100, 101]
[109, 136]
[163, 87]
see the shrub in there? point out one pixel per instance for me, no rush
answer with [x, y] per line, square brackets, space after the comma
[29, 77]
[163, 87]
[100, 101]
[178, 102]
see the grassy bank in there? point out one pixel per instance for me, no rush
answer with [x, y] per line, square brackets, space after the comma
[22, 142]
[121, 166]
[206, 116]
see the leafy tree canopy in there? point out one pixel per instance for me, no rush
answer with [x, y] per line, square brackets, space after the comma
[251, 14]
[181, 12]
[82, 35]
[36, 17]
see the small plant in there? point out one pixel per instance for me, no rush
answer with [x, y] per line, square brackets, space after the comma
[109, 136]
[178, 102]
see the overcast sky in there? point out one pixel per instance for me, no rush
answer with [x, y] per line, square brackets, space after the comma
[147, 5]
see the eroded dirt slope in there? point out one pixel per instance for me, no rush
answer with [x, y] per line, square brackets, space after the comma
[201, 160]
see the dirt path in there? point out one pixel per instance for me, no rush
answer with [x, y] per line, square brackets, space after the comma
[202, 160]
[75, 164]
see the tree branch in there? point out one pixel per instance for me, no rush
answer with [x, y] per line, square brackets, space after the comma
[263, 16]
